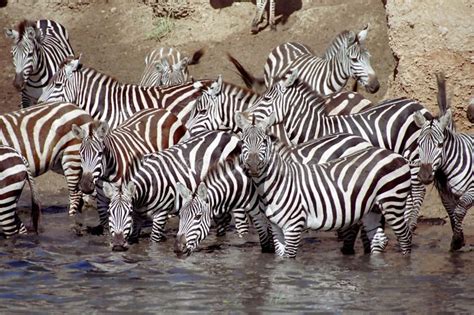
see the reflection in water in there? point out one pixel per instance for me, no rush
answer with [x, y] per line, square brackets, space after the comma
[58, 271]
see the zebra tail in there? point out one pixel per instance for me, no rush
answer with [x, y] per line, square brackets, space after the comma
[256, 84]
[196, 57]
[35, 203]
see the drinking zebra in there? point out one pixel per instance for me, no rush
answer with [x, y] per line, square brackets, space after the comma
[389, 125]
[166, 66]
[261, 4]
[112, 155]
[43, 135]
[38, 50]
[227, 187]
[151, 190]
[14, 171]
[216, 107]
[349, 58]
[447, 159]
[106, 99]
[313, 196]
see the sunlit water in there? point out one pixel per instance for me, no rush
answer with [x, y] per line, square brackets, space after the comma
[58, 271]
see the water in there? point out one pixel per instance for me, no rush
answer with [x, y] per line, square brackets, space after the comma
[58, 271]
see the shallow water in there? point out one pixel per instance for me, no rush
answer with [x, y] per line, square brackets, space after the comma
[58, 271]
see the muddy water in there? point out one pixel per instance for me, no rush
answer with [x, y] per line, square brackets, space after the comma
[58, 271]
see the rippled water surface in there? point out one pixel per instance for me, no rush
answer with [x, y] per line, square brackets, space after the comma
[59, 271]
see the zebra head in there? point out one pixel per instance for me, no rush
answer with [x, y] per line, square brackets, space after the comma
[194, 219]
[430, 144]
[208, 110]
[25, 48]
[256, 144]
[359, 62]
[91, 151]
[120, 213]
[63, 86]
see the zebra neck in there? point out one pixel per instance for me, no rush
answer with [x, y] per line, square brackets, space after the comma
[338, 72]
[43, 71]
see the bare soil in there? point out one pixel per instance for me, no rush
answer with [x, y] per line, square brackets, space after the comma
[114, 37]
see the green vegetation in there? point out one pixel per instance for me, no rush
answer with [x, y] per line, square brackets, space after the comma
[161, 27]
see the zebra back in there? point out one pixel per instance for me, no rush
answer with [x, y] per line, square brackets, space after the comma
[38, 50]
[108, 100]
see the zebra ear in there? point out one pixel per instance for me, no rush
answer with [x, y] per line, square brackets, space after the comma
[362, 36]
[184, 192]
[72, 66]
[241, 121]
[267, 122]
[109, 190]
[202, 191]
[78, 132]
[102, 130]
[12, 34]
[445, 120]
[419, 119]
[216, 86]
[130, 189]
[291, 78]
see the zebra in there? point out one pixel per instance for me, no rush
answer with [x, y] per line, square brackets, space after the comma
[227, 186]
[43, 135]
[111, 155]
[347, 57]
[38, 50]
[470, 111]
[216, 107]
[447, 159]
[14, 171]
[261, 4]
[389, 124]
[151, 190]
[166, 66]
[106, 99]
[325, 196]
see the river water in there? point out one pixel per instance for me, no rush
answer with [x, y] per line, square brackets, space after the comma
[58, 271]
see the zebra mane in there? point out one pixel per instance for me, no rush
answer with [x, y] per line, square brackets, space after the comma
[23, 25]
[345, 38]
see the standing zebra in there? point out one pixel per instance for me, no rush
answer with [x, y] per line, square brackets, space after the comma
[447, 158]
[14, 171]
[325, 196]
[108, 100]
[38, 50]
[166, 66]
[43, 135]
[151, 190]
[261, 4]
[216, 107]
[112, 155]
[346, 57]
[227, 187]
[389, 125]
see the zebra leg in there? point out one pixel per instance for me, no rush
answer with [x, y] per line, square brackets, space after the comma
[415, 198]
[71, 166]
[158, 227]
[271, 14]
[278, 240]
[241, 222]
[293, 240]
[349, 235]
[450, 204]
[103, 211]
[222, 223]
[373, 224]
[261, 4]
[396, 219]
[136, 229]
[10, 222]
[464, 203]
[263, 228]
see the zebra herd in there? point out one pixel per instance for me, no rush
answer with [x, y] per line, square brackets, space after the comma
[291, 151]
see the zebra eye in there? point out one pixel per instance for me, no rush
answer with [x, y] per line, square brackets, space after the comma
[197, 217]
[440, 144]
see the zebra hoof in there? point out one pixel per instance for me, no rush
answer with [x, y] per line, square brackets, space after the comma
[95, 230]
[457, 242]
[347, 251]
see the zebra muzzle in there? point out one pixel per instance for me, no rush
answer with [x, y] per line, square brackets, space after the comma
[426, 174]
[373, 85]
[119, 243]
[19, 81]
[86, 185]
[180, 246]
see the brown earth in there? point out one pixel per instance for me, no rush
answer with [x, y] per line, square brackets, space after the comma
[114, 37]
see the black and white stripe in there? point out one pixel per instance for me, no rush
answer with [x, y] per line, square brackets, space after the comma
[261, 4]
[166, 66]
[155, 180]
[14, 172]
[38, 50]
[313, 196]
[108, 100]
